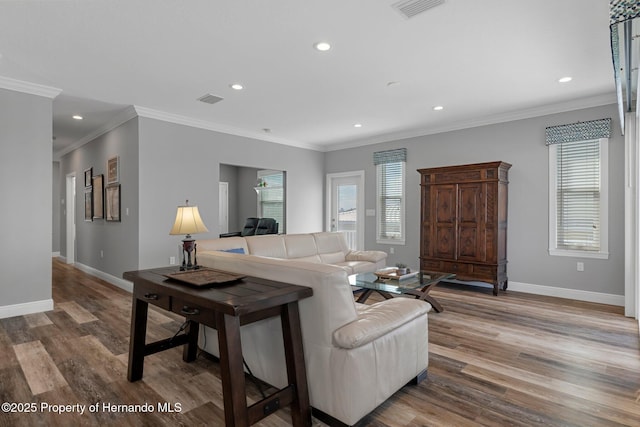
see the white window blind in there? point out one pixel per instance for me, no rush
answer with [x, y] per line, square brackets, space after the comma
[578, 196]
[271, 196]
[578, 189]
[390, 172]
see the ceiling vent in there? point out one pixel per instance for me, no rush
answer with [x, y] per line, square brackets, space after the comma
[210, 99]
[411, 8]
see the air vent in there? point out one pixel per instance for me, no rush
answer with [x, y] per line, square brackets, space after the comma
[411, 8]
[210, 99]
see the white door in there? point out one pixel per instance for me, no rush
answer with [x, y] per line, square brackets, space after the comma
[70, 210]
[223, 204]
[345, 201]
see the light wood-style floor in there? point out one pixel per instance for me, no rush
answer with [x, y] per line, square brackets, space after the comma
[515, 359]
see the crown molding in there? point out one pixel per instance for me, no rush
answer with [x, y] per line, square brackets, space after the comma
[202, 124]
[28, 87]
[123, 117]
[562, 107]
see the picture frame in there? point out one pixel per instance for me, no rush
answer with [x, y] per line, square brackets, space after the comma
[98, 196]
[88, 174]
[113, 170]
[112, 203]
[88, 204]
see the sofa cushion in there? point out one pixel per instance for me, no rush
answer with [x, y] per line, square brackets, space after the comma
[379, 319]
[269, 245]
[355, 267]
[301, 247]
[332, 247]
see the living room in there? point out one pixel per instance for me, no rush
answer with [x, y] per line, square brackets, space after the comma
[165, 158]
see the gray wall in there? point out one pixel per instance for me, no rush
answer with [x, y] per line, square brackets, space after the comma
[118, 241]
[521, 143]
[178, 162]
[25, 185]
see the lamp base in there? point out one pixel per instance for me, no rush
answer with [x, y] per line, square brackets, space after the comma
[188, 246]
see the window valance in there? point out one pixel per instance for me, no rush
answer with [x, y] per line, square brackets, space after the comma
[390, 156]
[581, 131]
[622, 10]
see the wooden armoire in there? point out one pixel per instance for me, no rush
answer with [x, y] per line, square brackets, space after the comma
[464, 221]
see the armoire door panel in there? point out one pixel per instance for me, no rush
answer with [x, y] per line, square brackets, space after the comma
[468, 242]
[445, 243]
[470, 203]
[444, 204]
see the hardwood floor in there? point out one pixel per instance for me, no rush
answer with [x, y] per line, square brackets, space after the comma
[515, 359]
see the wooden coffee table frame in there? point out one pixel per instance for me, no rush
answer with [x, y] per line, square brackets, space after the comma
[225, 308]
[420, 292]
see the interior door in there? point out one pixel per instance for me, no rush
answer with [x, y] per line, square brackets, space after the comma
[346, 207]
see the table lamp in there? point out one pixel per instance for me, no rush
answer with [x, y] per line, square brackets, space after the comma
[188, 222]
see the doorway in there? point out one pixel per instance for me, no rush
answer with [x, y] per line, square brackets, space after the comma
[345, 204]
[223, 207]
[70, 210]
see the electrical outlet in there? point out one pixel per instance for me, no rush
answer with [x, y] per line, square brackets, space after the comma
[580, 266]
[392, 250]
[172, 260]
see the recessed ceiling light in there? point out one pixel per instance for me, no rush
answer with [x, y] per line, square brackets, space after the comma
[236, 86]
[77, 117]
[565, 79]
[357, 125]
[438, 108]
[322, 46]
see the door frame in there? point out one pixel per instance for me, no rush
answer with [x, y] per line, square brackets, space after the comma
[359, 177]
[70, 221]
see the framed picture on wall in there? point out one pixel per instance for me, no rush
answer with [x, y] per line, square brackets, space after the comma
[113, 170]
[98, 196]
[112, 202]
[88, 204]
[88, 174]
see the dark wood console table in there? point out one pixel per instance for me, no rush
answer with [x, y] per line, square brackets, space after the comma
[225, 308]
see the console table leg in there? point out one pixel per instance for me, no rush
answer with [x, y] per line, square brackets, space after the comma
[232, 371]
[190, 350]
[137, 339]
[296, 373]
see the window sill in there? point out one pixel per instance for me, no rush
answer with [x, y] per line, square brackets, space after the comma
[390, 241]
[579, 254]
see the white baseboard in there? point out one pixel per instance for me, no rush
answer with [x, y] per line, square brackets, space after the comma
[121, 283]
[55, 254]
[575, 294]
[26, 308]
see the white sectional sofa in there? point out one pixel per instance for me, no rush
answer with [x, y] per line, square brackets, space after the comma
[321, 248]
[356, 355]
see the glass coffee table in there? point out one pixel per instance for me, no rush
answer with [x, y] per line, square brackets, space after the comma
[418, 285]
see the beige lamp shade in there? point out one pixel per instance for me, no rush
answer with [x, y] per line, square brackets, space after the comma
[188, 221]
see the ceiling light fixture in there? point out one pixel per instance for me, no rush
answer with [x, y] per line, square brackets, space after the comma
[565, 79]
[438, 108]
[236, 86]
[322, 46]
[77, 117]
[357, 125]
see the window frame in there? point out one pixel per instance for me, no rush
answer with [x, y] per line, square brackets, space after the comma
[379, 206]
[603, 253]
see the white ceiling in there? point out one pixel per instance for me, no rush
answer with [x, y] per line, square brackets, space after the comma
[484, 61]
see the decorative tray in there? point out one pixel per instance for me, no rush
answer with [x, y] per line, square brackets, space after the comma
[392, 274]
[205, 276]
